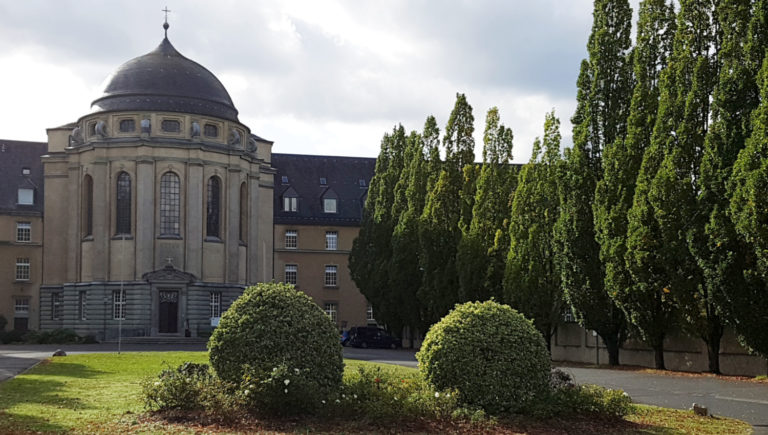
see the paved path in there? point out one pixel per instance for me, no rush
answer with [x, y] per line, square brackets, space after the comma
[746, 401]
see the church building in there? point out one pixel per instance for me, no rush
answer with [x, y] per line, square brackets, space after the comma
[158, 205]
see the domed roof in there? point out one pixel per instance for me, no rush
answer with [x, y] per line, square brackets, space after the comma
[164, 80]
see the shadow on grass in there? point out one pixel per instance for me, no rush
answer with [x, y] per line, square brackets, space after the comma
[59, 367]
[22, 423]
[32, 390]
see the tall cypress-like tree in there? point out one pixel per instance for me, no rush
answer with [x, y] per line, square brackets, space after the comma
[605, 86]
[439, 232]
[678, 181]
[621, 161]
[478, 261]
[749, 190]
[531, 282]
[371, 252]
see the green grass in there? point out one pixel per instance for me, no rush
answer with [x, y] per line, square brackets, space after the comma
[101, 393]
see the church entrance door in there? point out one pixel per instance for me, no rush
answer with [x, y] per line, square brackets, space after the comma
[169, 312]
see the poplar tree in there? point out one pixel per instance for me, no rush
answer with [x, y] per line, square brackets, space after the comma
[749, 190]
[621, 162]
[478, 261]
[531, 282]
[371, 252]
[605, 86]
[439, 232]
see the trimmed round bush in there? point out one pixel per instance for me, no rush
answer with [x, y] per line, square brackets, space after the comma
[273, 326]
[491, 354]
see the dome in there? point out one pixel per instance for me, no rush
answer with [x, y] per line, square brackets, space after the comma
[164, 80]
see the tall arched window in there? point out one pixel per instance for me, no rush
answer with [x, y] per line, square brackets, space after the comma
[213, 207]
[170, 204]
[243, 213]
[123, 204]
[87, 206]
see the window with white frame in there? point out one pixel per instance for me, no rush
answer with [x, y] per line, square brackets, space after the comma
[215, 304]
[57, 300]
[22, 269]
[290, 203]
[291, 239]
[21, 306]
[369, 313]
[332, 309]
[291, 274]
[82, 305]
[331, 240]
[23, 231]
[26, 196]
[329, 205]
[118, 305]
[330, 276]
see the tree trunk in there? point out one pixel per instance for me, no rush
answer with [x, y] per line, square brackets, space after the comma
[612, 344]
[714, 334]
[658, 350]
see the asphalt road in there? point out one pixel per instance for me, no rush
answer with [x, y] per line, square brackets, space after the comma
[738, 399]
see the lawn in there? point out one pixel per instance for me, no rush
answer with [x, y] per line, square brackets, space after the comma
[101, 393]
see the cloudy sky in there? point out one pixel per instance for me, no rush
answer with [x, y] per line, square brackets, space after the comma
[316, 77]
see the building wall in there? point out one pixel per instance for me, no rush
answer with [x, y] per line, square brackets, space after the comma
[311, 256]
[12, 289]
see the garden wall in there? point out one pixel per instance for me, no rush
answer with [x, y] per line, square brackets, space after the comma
[573, 343]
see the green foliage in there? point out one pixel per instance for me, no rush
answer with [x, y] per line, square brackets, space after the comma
[189, 387]
[384, 394]
[489, 353]
[272, 325]
[531, 282]
[282, 391]
[583, 400]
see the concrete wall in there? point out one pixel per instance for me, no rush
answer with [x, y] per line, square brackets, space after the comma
[573, 343]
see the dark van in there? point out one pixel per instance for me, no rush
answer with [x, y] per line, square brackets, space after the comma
[367, 336]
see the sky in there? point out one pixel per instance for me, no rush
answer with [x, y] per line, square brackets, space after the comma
[316, 77]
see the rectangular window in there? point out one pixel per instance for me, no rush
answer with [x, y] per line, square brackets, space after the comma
[23, 231]
[210, 130]
[290, 203]
[332, 309]
[82, 305]
[369, 314]
[57, 300]
[21, 306]
[26, 196]
[291, 239]
[127, 126]
[331, 240]
[118, 305]
[329, 205]
[291, 273]
[22, 269]
[330, 276]
[215, 304]
[170, 126]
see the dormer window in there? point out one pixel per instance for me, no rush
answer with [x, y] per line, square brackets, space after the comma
[284, 179]
[26, 196]
[127, 126]
[25, 171]
[361, 182]
[323, 181]
[329, 205]
[170, 126]
[290, 203]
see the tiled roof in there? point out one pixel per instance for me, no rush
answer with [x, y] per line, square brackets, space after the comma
[14, 157]
[300, 176]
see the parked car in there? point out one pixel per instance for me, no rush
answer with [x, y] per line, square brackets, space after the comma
[367, 336]
[344, 338]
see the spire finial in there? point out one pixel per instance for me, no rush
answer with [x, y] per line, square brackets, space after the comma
[165, 25]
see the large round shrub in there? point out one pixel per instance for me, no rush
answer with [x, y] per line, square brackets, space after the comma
[273, 326]
[489, 353]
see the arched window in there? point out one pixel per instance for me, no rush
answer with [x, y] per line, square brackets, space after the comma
[213, 208]
[243, 213]
[88, 206]
[123, 204]
[170, 204]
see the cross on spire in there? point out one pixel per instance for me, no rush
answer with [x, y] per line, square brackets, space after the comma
[165, 25]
